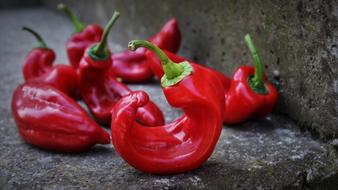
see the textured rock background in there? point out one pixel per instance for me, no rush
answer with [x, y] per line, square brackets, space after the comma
[297, 41]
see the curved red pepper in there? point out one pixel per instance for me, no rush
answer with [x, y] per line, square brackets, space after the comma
[38, 66]
[250, 95]
[183, 144]
[49, 119]
[100, 90]
[84, 37]
[133, 67]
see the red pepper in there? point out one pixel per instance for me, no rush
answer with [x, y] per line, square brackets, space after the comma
[183, 144]
[84, 37]
[169, 37]
[49, 119]
[39, 60]
[38, 66]
[133, 67]
[155, 65]
[250, 94]
[99, 88]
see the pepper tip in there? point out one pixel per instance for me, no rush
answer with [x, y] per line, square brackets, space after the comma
[104, 137]
[247, 37]
[117, 13]
[131, 45]
[61, 6]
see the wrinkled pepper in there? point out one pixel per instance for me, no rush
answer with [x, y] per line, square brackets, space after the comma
[183, 144]
[133, 67]
[83, 37]
[38, 66]
[99, 88]
[49, 119]
[250, 94]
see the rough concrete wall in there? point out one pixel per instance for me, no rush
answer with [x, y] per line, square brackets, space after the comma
[297, 41]
[6, 4]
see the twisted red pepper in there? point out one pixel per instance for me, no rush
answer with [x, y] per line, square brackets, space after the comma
[38, 66]
[49, 119]
[84, 37]
[250, 94]
[99, 88]
[133, 66]
[183, 144]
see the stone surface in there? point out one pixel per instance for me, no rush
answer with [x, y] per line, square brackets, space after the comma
[297, 41]
[5, 4]
[263, 154]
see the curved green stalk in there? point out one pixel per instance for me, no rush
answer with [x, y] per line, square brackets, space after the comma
[256, 81]
[77, 24]
[100, 50]
[170, 68]
[41, 42]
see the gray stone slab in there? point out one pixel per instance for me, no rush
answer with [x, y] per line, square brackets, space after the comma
[263, 154]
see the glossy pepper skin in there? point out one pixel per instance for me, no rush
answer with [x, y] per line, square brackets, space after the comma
[250, 94]
[49, 119]
[133, 67]
[156, 67]
[83, 37]
[100, 90]
[38, 66]
[183, 144]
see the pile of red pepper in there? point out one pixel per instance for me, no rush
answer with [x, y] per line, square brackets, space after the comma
[48, 116]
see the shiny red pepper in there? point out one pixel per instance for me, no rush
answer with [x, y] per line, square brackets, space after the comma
[49, 119]
[183, 144]
[99, 88]
[250, 94]
[83, 37]
[133, 67]
[38, 66]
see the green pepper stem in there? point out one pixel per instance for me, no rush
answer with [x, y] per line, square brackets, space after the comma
[77, 24]
[257, 79]
[100, 48]
[41, 42]
[170, 68]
